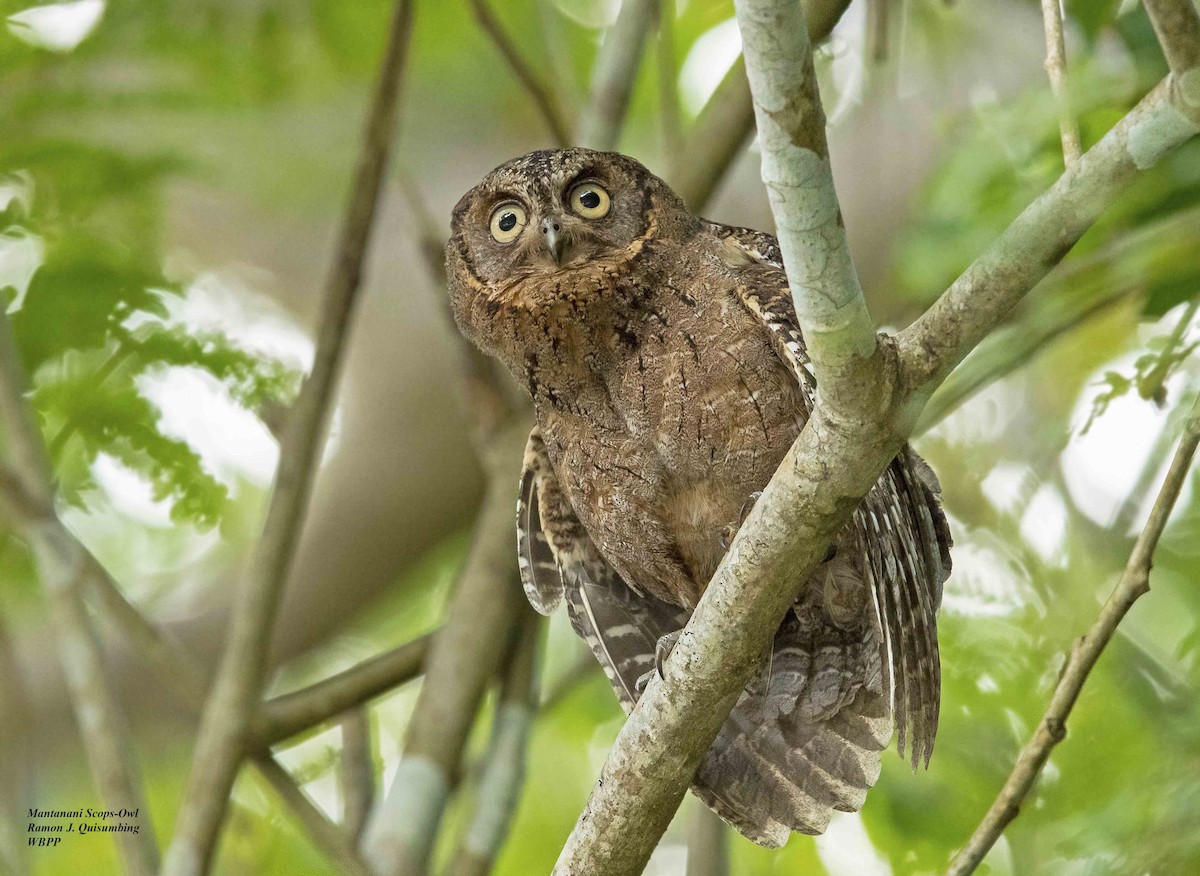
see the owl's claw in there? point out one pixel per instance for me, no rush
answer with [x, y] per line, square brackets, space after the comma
[730, 530]
[662, 650]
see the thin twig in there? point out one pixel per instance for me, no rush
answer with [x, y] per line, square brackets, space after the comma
[61, 564]
[356, 773]
[878, 28]
[668, 89]
[293, 713]
[614, 74]
[539, 92]
[462, 657]
[1056, 70]
[1177, 25]
[230, 709]
[499, 789]
[1084, 653]
[327, 836]
[724, 126]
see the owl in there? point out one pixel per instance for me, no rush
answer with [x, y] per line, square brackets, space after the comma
[669, 378]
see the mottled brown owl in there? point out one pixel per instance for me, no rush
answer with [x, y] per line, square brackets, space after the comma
[669, 377]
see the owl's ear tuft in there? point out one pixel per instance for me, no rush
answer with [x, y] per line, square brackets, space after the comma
[464, 204]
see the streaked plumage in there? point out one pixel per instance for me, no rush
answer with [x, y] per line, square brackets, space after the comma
[669, 377]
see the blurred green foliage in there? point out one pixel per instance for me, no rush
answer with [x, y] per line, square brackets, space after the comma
[93, 139]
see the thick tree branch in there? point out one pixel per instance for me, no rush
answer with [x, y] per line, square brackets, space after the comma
[504, 764]
[462, 657]
[720, 132]
[1177, 25]
[231, 706]
[832, 465]
[1134, 583]
[1056, 70]
[539, 93]
[615, 72]
[796, 171]
[61, 563]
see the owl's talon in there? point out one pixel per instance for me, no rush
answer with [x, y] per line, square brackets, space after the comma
[748, 505]
[662, 650]
[729, 530]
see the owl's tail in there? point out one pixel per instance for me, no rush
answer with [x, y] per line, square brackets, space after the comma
[803, 740]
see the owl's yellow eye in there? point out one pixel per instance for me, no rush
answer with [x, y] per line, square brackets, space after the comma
[589, 200]
[507, 222]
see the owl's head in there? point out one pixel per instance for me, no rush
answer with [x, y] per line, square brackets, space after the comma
[549, 225]
[556, 210]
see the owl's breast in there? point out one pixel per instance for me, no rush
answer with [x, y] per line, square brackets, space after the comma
[698, 415]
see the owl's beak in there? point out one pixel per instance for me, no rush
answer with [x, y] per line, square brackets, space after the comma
[553, 237]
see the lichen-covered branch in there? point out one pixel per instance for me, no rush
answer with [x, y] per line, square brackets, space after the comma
[829, 302]
[228, 714]
[1051, 730]
[541, 95]
[1177, 25]
[720, 132]
[1045, 231]
[462, 658]
[614, 74]
[503, 776]
[1056, 70]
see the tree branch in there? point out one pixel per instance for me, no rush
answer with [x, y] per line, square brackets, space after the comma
[830, 307]
[668, 90]
[462, 657]
[221, 742]
[1045, 231]
[61, 565]
[287, 715]
[708, 844]
[1177, 25]
[332, 841]
[533, 84]
[720, 132]
[356, 773]
[614, 74]
[1056, 70]
[834, 463]
[1086, 651]
[1095, 283]
[504, 764]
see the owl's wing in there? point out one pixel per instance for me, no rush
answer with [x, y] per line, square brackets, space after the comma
[559, 562]
[901, 532]
[772, 304]
[535, 557]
